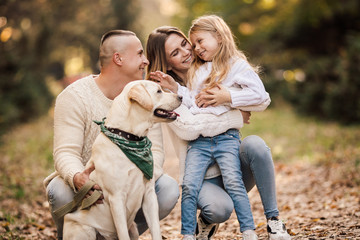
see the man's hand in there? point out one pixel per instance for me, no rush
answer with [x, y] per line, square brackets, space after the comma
[164, 80]
[81, 178]
[246, 116]
[215, 96]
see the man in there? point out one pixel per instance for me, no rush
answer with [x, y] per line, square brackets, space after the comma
[122, 60]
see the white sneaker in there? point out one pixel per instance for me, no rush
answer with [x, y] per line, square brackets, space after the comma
[249, 235]
[205, 231]
[277, 230]
[189, 237]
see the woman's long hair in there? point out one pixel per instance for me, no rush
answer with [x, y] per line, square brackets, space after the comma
[227, 49]
[155, 51]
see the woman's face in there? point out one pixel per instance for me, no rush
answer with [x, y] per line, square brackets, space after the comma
[178, 53]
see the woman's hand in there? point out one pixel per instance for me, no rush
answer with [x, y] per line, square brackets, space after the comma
[215, 96]
[81, 178]
[164, 80]
[246, 116]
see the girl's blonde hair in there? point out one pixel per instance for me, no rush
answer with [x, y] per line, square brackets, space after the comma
[227, 49]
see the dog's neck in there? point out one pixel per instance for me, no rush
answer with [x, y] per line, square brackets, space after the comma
[128, 119]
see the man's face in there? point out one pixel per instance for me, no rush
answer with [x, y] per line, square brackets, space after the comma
[133, 59]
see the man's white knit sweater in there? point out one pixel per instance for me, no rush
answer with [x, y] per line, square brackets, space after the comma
[74, 130]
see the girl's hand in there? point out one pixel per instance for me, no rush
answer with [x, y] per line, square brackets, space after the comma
[215, 96]
[164, 80]
[246, 116]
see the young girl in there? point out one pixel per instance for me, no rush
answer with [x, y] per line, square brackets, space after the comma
[217, 61]
[167, 48]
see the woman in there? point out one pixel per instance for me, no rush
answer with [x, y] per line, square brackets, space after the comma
[169, 51]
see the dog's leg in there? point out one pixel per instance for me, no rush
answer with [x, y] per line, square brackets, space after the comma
[75, 231]
[133, 232]
[118, 210]
[150, 208]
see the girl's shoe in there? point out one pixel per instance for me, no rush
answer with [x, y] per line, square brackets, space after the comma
[249, 235]
[189, 237]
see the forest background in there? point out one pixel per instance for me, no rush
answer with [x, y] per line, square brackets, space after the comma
[309, 53]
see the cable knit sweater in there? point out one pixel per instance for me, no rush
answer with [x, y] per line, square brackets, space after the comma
[247, 93]
[74, 130]
[245, 87]
[188, 127]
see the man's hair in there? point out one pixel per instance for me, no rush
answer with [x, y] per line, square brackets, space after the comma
[104, 53]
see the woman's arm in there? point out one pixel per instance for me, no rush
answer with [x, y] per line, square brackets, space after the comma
[156, 137]
[220, 95]
[189, 126]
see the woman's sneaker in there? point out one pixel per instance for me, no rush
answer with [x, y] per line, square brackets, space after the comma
[205, 231]
[249, 235]
[277, 230]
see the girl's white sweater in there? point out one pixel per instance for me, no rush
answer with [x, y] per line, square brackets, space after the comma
[245, 87]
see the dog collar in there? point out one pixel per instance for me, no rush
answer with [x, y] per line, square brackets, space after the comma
[126, 135]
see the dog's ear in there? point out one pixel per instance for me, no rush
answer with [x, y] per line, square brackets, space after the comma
[139, 94]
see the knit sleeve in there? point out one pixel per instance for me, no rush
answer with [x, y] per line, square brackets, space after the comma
[68, 136]
[252, 89]
[190, 126]
[251, 108]
[156, 138]
[184, 92]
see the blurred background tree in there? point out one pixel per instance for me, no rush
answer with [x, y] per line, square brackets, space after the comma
[42, 40]
[309, 51]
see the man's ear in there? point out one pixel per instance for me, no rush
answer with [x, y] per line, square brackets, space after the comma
[139, 94]
[117, 59]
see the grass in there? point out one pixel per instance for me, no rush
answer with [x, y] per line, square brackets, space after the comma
[26, 158]
[297, 139]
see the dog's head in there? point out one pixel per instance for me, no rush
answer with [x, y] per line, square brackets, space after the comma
[149, 96]
[142, 102]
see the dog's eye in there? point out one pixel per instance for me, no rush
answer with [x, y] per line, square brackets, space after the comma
[159, 91]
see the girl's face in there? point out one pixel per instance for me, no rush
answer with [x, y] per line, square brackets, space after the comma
[205, 44]
[178, 53]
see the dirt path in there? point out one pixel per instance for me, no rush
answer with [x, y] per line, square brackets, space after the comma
[313, 205]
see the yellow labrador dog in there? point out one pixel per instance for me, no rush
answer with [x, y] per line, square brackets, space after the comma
[125, 187]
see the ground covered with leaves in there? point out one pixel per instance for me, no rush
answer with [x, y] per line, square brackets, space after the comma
[317, 177]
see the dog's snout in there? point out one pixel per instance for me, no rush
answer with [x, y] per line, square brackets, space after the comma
[180, 98]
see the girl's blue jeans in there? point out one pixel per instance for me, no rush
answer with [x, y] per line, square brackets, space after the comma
[257, 168]
[203, 152]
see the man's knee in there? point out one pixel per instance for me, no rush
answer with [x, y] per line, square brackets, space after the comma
[58, 193]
